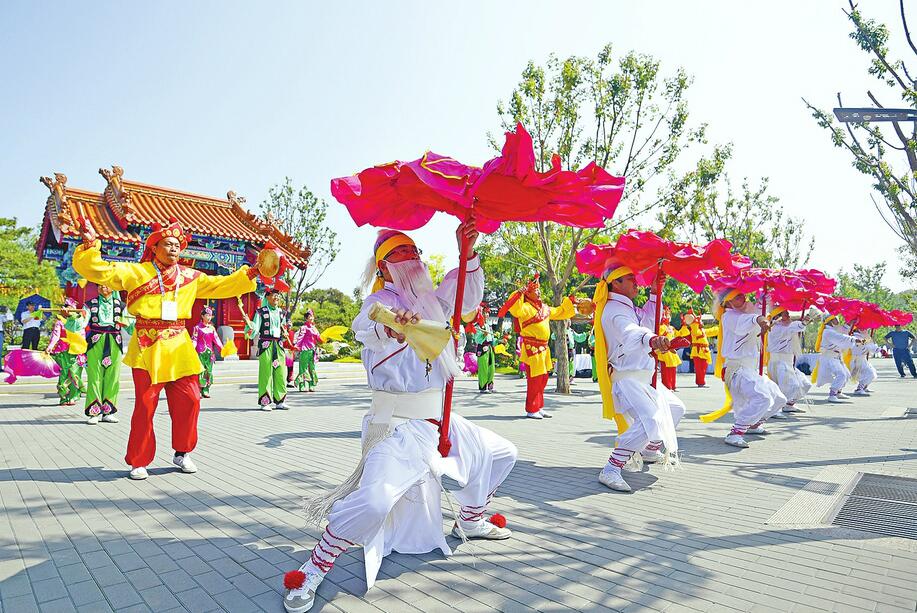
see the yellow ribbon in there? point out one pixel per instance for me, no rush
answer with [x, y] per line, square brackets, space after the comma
[721, 361]
[821, 331]
[387, 246]
[600, 299]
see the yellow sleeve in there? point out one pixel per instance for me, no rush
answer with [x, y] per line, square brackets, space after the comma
[566, 310]
[712, 331]
[228, 286]
[521, 310]
[683, 331]
[88, 262]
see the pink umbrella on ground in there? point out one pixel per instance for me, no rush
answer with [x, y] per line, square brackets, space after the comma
[405, 195]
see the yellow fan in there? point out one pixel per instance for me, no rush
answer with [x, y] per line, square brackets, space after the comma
[229, 348]
[427, 338]
[76, 341]
[501, 350]
[334, 333]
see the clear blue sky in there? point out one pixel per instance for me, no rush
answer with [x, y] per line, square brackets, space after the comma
[212, 96]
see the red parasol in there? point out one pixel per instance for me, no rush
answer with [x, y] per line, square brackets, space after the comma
[653, 258]
[405, 195]
[28, 363]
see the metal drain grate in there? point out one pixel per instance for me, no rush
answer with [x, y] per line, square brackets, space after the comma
[881, 504]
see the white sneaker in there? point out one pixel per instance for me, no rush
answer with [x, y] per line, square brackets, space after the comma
[736, 440]
[861, 393]
[759, 430]
[93, 419]
[138, 473]
[843, 396]
[611, 478]
[302, 599]
[280, 406]
[792, 408]
[109, 419]
[833, 398]
[535, 415]
[266, 407]
[185, 463]
[779, 415]
[651, 457]
[484, 530]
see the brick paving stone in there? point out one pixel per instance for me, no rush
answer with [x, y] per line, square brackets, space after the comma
[76, 535]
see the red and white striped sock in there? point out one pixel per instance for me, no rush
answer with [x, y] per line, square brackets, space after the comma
[326, 551]
[737, 429]
[653, 446]
[619, 457]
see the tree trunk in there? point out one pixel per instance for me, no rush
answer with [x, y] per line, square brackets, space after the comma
[559, 328]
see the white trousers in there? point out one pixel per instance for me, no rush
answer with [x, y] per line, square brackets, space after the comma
[862, 370]
[832, 370]
[792, 382]
[651, 414]
[397, 506]
[754, 398]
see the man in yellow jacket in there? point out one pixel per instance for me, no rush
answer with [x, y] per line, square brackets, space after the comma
[160, 294]
[533, 319]
[693, 328]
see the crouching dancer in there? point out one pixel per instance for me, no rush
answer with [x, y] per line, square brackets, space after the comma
[624, 342]
[392, 501]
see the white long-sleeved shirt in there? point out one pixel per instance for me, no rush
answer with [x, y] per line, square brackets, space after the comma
[834, 340]
[783, 338]
[31, 320]
[866, 348]
[628, 333]
[741, 335]
[394, 367]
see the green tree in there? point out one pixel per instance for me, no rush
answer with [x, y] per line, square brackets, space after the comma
[621, 112]
[437, 266]
[20, 272]
[706, 206]
[885, 151]
[302, 215]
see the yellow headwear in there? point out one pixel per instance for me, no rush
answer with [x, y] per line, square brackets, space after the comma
[600, 299]
[386, 247]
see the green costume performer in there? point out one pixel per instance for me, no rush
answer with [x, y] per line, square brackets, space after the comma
[272, 362]
[68, 383]
[487, 359]
[306, 342]
[207, 343]
[103, 356]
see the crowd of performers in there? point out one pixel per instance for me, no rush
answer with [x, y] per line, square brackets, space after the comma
[391, 501]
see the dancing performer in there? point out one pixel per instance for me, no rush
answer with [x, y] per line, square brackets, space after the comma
[306, 343]
[668, 360]
[752, 398]
[104, 348]
[270, 325]
[857, 357]
[68, 380]
[392, 501]
[783, 346]
[487, 360]
[160, 294]
[693, 327]
[532, 319]
[207, 343]
[832, 341]
[646, 416]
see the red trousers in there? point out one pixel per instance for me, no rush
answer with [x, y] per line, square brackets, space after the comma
[534, 393]
[668, 376]
[184, 399]
[700, 371]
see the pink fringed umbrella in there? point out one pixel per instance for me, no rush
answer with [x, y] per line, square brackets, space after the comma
[28, 363]
[405, 195]
[653, 258]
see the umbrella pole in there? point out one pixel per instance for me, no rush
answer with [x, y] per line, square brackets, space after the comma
[660, 281]
[444, 443]
[764, 335]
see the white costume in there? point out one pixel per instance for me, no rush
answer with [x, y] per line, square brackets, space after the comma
[754, 398]
[860, 368]
[830, 367]
[784, 345]
[652, 414]
[397, 504]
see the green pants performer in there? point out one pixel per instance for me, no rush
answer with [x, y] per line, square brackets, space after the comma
[272, 361]
[306, 341]
[487, 360]
[68, 380]
[103, 356]
[307, 374]
[207, 343]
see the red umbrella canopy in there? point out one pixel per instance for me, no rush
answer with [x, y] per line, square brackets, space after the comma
[644, 251]
[901, 318]
[405, 195]
[778, 282]
[867, 315]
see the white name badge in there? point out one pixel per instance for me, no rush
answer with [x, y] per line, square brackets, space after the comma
[169, 310]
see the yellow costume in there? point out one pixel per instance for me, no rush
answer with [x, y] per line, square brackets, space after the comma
[535, 330]
[162, 348]
[700, 345]
[668, 358]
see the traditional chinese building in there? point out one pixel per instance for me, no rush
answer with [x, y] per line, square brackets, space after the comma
[223, 234]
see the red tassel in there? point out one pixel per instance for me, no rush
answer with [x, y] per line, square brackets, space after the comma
[498, 520]
[294, 579]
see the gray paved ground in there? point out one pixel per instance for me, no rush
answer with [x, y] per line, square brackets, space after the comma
[75, 534]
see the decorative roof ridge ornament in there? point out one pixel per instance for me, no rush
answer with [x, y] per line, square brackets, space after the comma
[117, 197]
[60, 210]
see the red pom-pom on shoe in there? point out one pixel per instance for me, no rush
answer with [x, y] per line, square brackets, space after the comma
[498, 520]
[294, 579]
